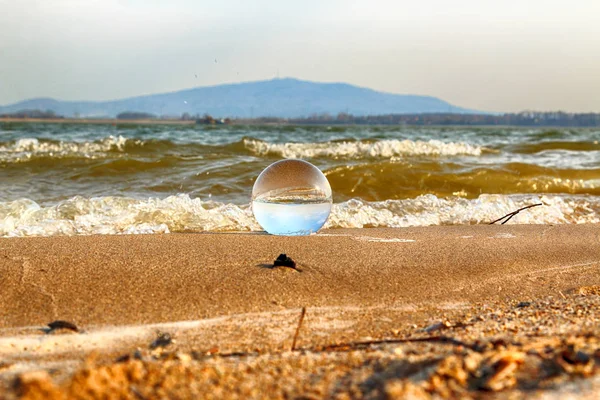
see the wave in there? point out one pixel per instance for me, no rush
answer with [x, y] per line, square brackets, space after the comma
[27, 148]
[32, 149]
[181, 213]
[226, 168]
[121, 215]
[576, 146]
[393, 180]
[358, 149]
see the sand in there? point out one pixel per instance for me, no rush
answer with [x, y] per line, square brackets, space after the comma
[518, 302]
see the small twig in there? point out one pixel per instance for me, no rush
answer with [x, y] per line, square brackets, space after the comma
[512, 214]
[199, 357]
[302, 313]
[562, 294]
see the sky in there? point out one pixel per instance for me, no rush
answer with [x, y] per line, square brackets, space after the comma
[490, 55]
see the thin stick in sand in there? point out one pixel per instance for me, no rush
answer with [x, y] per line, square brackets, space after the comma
[302, 313]
[512, 214]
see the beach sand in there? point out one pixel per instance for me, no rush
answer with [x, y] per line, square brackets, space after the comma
[448, 311]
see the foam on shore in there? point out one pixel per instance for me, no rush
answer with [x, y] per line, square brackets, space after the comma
[181, 213]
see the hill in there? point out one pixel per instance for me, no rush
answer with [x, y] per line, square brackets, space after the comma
[282, 98]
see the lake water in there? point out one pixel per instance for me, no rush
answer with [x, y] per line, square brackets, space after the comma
[86, 179]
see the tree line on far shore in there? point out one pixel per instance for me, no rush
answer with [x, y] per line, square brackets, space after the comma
[37, 114]
[527, 118]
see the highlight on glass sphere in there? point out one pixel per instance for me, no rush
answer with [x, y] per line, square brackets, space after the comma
[291, 197]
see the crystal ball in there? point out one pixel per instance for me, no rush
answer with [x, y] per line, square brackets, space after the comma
[291, 197]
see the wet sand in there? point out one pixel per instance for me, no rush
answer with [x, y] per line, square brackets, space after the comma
[375, 299]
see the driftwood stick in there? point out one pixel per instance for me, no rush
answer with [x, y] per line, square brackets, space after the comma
[352, 345]
[512, 214]
[302, 313]
[359, 344]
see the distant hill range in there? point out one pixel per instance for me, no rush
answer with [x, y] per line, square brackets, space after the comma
[281, 98]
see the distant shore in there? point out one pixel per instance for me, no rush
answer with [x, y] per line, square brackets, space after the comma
[404, 121]
[111, 121]
[106, 121]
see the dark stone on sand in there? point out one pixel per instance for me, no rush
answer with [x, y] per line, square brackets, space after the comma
[284, 261]
[60, 324]
[163, 340]
[523, 304]
[572, 356]
[136, 355]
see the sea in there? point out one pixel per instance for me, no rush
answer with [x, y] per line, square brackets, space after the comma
[83, 179]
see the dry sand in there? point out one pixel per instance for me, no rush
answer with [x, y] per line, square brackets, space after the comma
[446, 311]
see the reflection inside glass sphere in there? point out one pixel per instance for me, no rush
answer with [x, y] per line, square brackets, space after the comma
[291, 197]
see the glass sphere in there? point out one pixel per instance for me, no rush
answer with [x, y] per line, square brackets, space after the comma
[291, 197]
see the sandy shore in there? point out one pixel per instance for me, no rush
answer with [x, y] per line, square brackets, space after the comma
[373, 298]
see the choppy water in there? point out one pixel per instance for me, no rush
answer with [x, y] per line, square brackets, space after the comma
[83, 179]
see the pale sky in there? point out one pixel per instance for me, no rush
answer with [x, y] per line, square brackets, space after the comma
[482, 54]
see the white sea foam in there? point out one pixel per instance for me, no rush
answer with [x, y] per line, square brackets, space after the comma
[27, 148]
[429, 210]
[120, 215]
[357, 150]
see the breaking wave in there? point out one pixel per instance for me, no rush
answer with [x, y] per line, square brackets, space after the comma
[358, 150]
[28, 148]
[181, 213]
